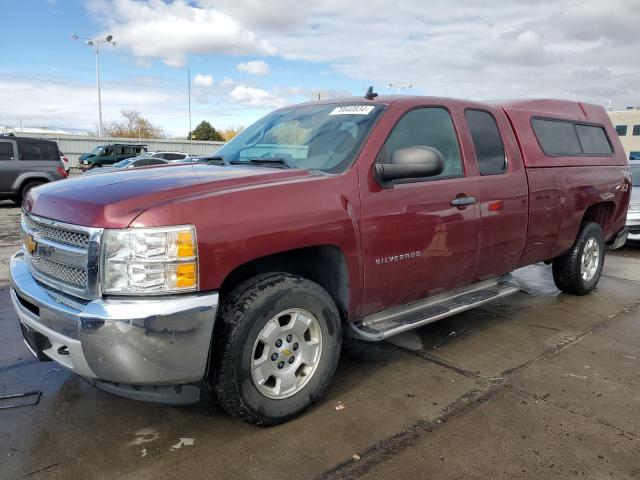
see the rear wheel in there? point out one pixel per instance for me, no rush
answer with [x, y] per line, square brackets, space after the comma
[277, 348]
[578, 272]
[25, 189]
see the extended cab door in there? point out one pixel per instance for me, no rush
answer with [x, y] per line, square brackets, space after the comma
[416, 242]
[502, 192]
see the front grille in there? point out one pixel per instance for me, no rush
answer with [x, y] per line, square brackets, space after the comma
[59, 235]
[61, 273]
[62, 256]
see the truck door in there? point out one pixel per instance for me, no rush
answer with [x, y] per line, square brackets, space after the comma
[417, 241]
[502, 193]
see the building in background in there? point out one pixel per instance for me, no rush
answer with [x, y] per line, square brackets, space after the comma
[627, 123]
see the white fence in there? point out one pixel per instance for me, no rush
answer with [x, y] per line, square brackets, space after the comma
[75, 145]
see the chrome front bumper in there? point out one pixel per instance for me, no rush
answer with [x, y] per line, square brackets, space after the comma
[132, 341]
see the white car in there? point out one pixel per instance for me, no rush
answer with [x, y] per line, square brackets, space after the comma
[633, 214]
[171, 156]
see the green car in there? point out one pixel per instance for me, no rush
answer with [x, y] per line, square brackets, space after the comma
[110, 154]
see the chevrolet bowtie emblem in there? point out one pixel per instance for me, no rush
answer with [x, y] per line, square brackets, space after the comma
[286, 352]
[30, 244]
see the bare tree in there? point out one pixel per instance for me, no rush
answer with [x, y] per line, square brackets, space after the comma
[133, 125]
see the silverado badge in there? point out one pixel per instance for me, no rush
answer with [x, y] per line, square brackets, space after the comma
[30, 244]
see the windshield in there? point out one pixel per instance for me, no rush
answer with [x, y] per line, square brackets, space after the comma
[635, 175]
[123, 163]
[96, 151]
[317, 137]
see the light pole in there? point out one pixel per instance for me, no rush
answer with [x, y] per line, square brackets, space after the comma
[95, 42]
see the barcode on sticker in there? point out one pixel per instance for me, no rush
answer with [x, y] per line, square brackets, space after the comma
[352, 110]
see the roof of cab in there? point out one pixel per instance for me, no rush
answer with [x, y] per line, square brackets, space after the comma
[562, 108]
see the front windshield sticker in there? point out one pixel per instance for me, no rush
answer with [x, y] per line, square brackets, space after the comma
[352, 110]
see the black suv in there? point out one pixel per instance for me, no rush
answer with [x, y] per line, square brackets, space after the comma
[26, 163]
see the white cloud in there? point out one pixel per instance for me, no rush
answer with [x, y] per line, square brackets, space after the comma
[513, 49]
[468, 50]
[39, 101]
[201, 80]
[256, 97]
[259, 14]
[226, 81]
[171, 31]
[254, 67]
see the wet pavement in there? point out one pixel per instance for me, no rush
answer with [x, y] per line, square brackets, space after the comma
[537, 385]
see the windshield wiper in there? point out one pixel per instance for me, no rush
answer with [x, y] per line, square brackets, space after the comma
[273, 162]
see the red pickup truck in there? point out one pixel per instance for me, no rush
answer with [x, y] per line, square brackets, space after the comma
[367, 216]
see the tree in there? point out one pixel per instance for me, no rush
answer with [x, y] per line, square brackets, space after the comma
[134, 125]
[205, 131]
[230, 132]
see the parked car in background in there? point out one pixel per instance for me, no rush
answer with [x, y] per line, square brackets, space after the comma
[202, 159]
[633, 215]
[171, 156]
[133, 162]
[26, 163]
[65, 162]
[109, 154]
[385, 215]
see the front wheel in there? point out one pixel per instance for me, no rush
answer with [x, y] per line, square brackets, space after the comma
[277, 348]
[578, 271]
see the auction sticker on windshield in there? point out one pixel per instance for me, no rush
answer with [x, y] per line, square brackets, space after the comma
[352, 110]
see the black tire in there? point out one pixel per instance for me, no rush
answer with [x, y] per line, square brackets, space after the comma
[244, 313]
[567, 273]
[25, 189]
[95, 165]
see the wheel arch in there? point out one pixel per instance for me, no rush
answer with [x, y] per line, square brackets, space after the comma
[324, 264]
[601, 213]
[27, 177]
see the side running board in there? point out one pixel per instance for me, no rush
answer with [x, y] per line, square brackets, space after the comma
[381, 325]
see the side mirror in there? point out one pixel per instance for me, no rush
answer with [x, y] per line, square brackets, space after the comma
[412, 162]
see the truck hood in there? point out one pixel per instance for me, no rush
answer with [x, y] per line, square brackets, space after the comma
[114, 200]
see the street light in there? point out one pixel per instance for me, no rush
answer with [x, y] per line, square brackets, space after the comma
[95, 43]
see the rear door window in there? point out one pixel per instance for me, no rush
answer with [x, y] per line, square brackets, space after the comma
[6, 151]
[487, 142]
[38, 151]
[593, 140]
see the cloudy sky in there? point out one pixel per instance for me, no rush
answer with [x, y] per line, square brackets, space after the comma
[249, 56]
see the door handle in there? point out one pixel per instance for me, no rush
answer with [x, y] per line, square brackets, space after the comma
[462, 202]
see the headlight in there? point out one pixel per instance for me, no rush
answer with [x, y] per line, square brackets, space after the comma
[150, 260]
